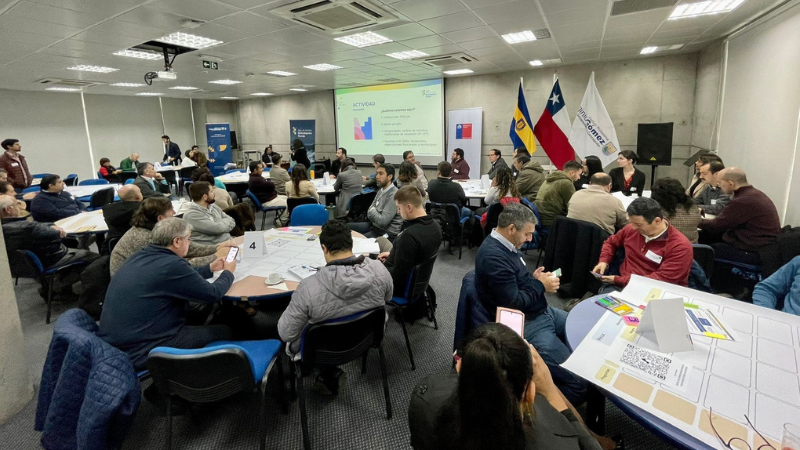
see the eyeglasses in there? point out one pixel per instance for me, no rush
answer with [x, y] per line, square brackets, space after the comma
[738, 439]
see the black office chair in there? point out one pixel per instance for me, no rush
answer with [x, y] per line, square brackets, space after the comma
[319, 170]
[704, 255]
[111, 243]
[336, 342]
[185, 175]
[292, 203]
[492, 215]
[448, 216]
[101, 198]
[359, 205]
[170, 178]
[417, 289]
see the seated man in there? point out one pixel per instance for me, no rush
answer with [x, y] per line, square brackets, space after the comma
[346, 285]
[502, 279]
[443, 190]
[264, 189]
[460, 166]
[711, 199]
[336, 164]
[653, 248]
[129, 164]
[53, 202]
[595, 204]
[782, 286]
[497, 162]
[118, 215]
[530, 176]
[556, 191]
[382, 213]
[7, 188]
[210, 224]
[279, 175]
[418, 242]
[146, 302]
[150, 182]
[746, 224]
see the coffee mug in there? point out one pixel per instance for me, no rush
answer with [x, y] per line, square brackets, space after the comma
[274, 278]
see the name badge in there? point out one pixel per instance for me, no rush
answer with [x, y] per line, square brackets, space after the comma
[653, 257]
[633, 189]
[14, 164]
[455, 170]
[714, 201]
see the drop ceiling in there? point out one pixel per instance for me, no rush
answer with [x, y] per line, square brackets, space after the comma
[41, 38]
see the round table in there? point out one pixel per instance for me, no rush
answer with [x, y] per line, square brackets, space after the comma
[254, 288]
[579, 322]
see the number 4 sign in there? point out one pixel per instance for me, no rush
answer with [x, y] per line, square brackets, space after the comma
[253, 244]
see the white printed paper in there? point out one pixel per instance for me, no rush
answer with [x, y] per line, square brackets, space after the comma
[649, 363]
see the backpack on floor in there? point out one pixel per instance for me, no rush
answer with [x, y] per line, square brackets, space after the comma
[95, 280]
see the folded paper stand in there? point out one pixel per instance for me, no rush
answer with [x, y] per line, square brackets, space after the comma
[664, 323]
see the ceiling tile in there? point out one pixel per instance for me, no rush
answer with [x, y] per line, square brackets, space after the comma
[119, 28]
[246, 4]
[152, 17]
[442, 49]
[452, 22]
[590, 13]
[550, 6]
[196, 9]
[219, 32]
[517, 25]
[503, 12]
[251, 23]
[571, 35]
[52, 14]
[404, 32]
[626, 20]
[470, 34]
[484, 43]
[294, 36]
[428, 41]
[19, 24]
[352, 54]
[633, 30]
[100, 7]
[425, 9]
[22, 38]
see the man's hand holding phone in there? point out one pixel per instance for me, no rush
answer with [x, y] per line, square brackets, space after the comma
[550, 281]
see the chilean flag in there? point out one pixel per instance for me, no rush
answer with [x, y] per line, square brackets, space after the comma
[552, 129]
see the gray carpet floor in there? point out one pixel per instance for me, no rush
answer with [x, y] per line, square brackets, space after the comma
[353, 420]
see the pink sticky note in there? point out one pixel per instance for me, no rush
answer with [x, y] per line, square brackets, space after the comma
[631, 320]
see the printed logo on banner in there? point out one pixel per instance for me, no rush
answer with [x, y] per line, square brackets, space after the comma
[362, 133]
[464, 131]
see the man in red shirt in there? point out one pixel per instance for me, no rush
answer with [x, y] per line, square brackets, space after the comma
[16, 166]
[653, 248]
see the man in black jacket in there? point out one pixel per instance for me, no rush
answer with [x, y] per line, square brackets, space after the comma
[444, 190]
[53, 202]
[172, 153]
[336, 165]
[497, 162]
[150, 182]
[418, 241]
[118, 215]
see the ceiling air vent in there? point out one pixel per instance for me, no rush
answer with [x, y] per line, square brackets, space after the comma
[444, 60]
[67, 83]
[543, 33]
[335, 16]
[633, 6]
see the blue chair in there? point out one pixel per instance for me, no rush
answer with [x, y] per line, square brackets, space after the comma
[235, 171]
[129, 181]
[259, 207]
[31, 189]
[417, 289]
[40, 175]
[471, 312]
[309, 215]
[71, 179]
[100, 175]
[25, 264]
[93, 182]
[219, 370]
[540, 232]
[449, 217]
[335, 342]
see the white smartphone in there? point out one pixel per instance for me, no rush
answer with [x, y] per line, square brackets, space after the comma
[511, 318]
[232, 254]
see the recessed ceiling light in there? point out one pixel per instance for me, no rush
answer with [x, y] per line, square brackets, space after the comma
[184, 88]
[457, 72]
[648, 50]
[516, 38]
[536, 63]
[298, 89]
[225, 82]
[676, 47]
[322, 67]
[128, 84]
[281, 73]
[188, 40]
[141, 54]
[230, 98]
[63, 89]
[407, 54]
[363, 39]
[98, 69]
[704, 8]
[261, 94]
[149, 94]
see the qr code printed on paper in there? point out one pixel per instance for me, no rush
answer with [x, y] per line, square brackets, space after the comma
[650, 363]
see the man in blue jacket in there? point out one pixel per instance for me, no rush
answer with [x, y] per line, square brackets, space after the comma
[503, 279]
[54, 203]
[146, 301]
[783, 285]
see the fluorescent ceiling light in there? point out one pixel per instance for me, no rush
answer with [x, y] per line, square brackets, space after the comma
[261, 94]
[704, 8]
[536, 63]
[457, 72]
[188, 40]
[230, 98]
[98, 69]
[648, 50]
[128, 84]
[516, 38]
[63, 89]
[184, 88]
[281, 73]
[407, 54]
[298, 89]
[224, 82]
[323, 67]
[676, 47]
[363, 39]
[149, 94]
[141, 54]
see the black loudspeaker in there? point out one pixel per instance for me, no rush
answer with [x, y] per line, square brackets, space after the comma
[235, 144]
[654, 144]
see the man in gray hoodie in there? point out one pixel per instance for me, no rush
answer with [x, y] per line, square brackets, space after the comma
[348, 284]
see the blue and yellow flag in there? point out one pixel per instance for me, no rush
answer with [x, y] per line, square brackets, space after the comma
[521, 131]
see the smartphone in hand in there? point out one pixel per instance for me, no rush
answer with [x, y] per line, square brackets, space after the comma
[597, 275]
[511, 318]
[232, 254]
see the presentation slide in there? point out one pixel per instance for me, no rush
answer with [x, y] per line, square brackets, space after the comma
[391, 119]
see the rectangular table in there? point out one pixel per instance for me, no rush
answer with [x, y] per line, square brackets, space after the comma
[94, 222]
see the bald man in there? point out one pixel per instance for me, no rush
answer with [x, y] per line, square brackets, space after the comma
[118, 214]
[129, 164]
[745, 225]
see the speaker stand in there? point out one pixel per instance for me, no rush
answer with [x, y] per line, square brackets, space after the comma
[652, 176]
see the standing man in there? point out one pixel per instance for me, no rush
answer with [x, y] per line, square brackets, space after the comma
[408, 155]
[172, 153]
[129, 164]
[382, 213]
[12, 162]
[460, 166]
[150, 182]
[336, 165]
[53, 202]
[497, 162]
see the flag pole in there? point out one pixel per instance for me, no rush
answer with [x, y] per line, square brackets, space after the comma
[555, 78]
[521, 83]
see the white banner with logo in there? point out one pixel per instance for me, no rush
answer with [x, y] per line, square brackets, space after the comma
[464, 132]
[593, 131]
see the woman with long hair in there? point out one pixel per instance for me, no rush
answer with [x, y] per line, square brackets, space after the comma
[627, 178]
[682, 213]
[407, 174]
[591, 165]
[503, 190]
[300, 154]
[300, 186]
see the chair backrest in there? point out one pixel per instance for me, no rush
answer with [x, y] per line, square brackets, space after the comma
[93, 182]
[419, 278]
[339, 341]
[471, 312]
[186, 185]
[186, 172]
[448, 215]
[359, 205]
[256, 204]
[129, 181]
[24, 264]
[309, 215]
[492, 214]
[99, 174]
[319, 169]
[234, 171]
[32, 189]
[202, 374]
[40, 175]
[292, 203]
[169, 176]
[535, 210]
[112, 242]
[101, 198]
[71, 179]
[704, 255]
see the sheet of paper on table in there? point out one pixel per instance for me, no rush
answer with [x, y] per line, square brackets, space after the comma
[83, 222]
[756, 375]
